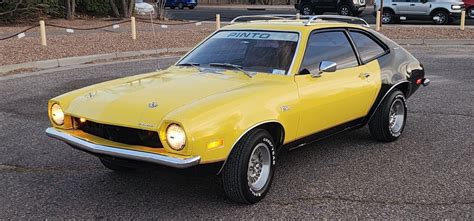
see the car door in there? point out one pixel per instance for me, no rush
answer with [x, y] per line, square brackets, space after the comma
[417, 7]
[336, 97]
[401, 7]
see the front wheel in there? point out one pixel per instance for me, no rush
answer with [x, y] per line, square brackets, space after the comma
[470, 13]
[191, 7]
[248, 172]
[344, 10]
[440, 18]
[389, 120]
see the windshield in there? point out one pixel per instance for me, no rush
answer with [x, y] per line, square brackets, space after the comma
[255, 51]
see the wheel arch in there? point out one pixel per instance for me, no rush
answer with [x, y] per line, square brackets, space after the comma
[403, 86]
[274, 127]
[437, 10]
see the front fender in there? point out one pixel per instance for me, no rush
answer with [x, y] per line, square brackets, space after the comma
[215, 124]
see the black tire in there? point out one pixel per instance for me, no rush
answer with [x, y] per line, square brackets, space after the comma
[470, 13]
[191, 7]
[440, 17]
[387, 17]
[172, 7]
[344, 10]
[380, 126]
[235, 177]
[306, 9]
[180, 5]
[117, 165]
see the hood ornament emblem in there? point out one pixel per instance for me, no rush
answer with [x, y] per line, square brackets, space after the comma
[152, 104]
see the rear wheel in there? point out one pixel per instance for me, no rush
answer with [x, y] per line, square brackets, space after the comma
[172, 7]
[344, 10]
[117, 165]
[248, 172]
[387, 17]
[440, 17]
[388, 122]
[306, 9]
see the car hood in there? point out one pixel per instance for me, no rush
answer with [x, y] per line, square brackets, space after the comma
[143, 102]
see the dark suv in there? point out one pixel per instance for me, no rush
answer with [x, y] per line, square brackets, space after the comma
[343, 7]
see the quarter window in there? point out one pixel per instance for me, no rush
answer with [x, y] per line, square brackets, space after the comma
[329, 46]
[368, 49]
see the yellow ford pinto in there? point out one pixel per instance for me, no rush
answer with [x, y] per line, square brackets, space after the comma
[248, 91]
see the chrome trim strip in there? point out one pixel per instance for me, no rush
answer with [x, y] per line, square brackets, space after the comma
[122, 153]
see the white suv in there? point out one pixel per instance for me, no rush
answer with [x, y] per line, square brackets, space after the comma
[439, 11]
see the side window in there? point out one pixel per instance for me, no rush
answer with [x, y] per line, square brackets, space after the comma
[368, 49]
[329, 46]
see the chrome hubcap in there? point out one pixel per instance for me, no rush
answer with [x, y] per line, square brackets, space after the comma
[470, 13]
[396, 117]
[386, 18]
[440, 18]
[258, 170]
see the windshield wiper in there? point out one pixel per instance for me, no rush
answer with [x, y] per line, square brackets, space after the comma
[194, 65]
[237, 67]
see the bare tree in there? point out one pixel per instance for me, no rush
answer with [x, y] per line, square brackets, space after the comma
[160, 9]
[70, 7]
[114, 9]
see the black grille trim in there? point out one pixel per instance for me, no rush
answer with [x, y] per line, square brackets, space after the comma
[125, 135]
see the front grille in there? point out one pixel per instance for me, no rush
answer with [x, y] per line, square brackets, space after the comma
[119, 134]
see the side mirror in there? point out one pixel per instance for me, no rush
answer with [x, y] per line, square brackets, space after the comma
[325, 66]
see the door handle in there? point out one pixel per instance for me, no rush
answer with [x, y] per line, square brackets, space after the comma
[364, 75]
[412, 4]
[394, 4]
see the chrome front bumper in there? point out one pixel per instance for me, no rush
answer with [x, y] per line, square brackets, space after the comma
[122, 153]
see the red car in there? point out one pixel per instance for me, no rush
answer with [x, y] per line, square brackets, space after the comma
[469, 5]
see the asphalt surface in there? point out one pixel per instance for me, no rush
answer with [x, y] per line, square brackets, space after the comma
[427, 173]
[203, 13]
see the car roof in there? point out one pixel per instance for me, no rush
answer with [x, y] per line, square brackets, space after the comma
[290, 25]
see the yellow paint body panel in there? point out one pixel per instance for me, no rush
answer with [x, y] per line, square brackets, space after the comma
[215, 110]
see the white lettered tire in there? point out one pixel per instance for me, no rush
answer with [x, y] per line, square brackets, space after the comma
[248, 171]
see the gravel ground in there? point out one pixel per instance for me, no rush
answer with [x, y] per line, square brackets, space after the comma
[62, 44]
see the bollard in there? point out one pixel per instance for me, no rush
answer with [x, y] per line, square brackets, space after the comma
[43, 33]
[298, 16]
[463, 19]
[218, 21]
[377, 21]
[134, 29]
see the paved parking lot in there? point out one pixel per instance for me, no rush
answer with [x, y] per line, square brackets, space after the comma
[428, 173]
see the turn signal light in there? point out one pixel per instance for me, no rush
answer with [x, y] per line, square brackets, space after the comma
[419, 81]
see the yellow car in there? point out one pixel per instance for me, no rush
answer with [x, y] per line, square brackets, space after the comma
[248, 91]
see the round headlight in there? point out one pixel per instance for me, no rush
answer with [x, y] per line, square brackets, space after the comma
[57, 114]
[175, 137]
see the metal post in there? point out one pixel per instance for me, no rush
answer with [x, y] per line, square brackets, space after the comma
[43, 33]
[463, 19]
[381, 13]
[134, 29]
[218, 21]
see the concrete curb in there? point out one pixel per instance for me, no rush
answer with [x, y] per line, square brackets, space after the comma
[435, 41]
[64, 62]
